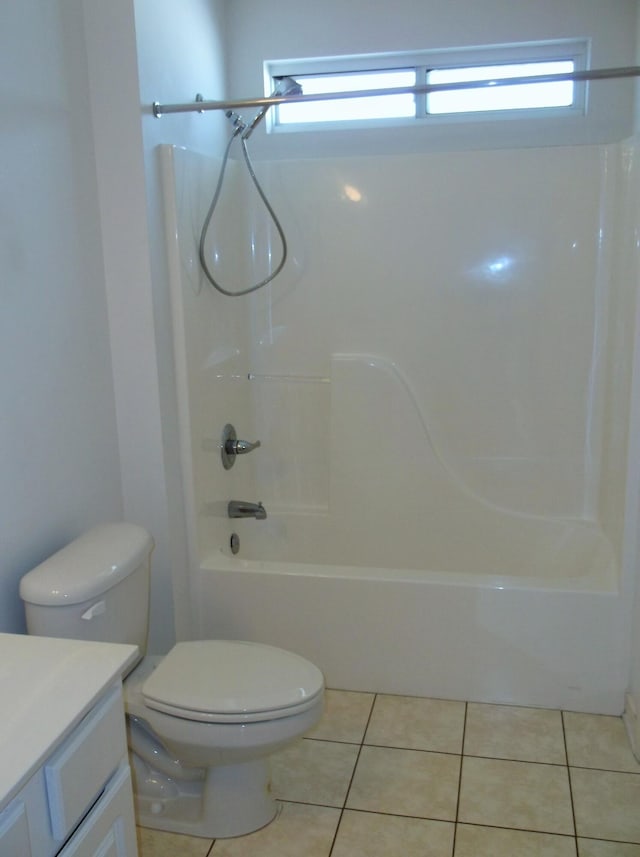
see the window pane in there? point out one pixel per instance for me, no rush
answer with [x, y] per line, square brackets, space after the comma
[348, 109]
[519, 97]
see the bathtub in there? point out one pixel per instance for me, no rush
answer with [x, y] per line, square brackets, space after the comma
[543, 641]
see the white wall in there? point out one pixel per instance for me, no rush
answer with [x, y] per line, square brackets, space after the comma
[58, 443]
[632, 711]
[87, 434]
[260, 31]
[180, 53]
[165, 52]
[120, 171]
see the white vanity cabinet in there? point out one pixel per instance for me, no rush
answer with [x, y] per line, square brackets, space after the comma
[65, 790]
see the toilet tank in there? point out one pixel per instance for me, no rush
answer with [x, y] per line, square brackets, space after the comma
[95, 588]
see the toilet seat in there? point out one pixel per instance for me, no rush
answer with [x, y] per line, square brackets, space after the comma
[225, 681]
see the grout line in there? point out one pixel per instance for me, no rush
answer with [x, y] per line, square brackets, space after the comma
[353, 773]
[611, 841]
[421, 750]
[334, 741]
[437, 818]
[306, 803]
[603, 770]
[566, 755]
[464, 731]
[519, 829]
[518, 761]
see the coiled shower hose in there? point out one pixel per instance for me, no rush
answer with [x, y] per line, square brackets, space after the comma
[212, 207]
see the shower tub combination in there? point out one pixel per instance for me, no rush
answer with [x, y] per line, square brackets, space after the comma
[433, 527]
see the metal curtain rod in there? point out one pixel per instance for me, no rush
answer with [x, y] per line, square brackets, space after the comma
[200, 105]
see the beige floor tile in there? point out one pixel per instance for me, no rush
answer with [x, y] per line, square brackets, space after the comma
[509, 732]
[298, 830]
[417, 724]
[520, 795]
[314, 772]
[406, 782]
[472, 841]
[366, 834]
[598, 741]
[607, 805]
[345, 716]
[598, 848]
[157, 843]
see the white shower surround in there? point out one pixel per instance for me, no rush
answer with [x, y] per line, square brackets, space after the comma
[501, 581]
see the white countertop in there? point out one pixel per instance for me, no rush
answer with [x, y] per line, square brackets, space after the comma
[46, 686]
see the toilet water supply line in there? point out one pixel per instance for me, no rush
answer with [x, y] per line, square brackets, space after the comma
[289, 90]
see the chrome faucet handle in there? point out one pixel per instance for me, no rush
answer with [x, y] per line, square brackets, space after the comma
[231, 446]
[240, 447]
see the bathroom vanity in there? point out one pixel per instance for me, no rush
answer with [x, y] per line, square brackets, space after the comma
[65, 784]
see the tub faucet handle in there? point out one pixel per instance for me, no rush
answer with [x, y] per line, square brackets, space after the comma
[240, 447]
[231, 446]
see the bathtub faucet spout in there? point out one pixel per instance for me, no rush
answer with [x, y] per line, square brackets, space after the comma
[240, 509]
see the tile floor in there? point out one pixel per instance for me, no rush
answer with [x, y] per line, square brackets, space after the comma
[391, 775]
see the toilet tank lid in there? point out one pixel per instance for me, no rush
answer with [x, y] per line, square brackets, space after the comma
[87, 566]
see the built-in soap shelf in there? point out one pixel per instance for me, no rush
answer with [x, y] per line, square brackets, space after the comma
[288, 379]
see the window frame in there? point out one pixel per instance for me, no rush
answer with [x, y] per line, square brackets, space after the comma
[576, 50]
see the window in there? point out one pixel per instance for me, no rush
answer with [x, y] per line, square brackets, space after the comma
[506, 97]
[385, 71]
[351, 109]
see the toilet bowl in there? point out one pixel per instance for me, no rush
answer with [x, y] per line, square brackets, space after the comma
[202, 723]
[203, 719]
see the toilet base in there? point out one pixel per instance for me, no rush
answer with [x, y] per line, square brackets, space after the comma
[231, 801]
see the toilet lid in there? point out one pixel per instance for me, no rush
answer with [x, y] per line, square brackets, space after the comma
[225, 680]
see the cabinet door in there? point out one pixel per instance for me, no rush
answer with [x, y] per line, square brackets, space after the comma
[109, 829]
[76, 773]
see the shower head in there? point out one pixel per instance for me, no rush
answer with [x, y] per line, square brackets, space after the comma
[284, 87]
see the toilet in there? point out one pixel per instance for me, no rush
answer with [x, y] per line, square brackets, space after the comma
[202, 720]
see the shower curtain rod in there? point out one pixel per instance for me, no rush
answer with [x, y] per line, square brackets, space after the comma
[200, 105]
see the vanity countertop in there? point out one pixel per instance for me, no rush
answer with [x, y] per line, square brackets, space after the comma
[46, 686]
